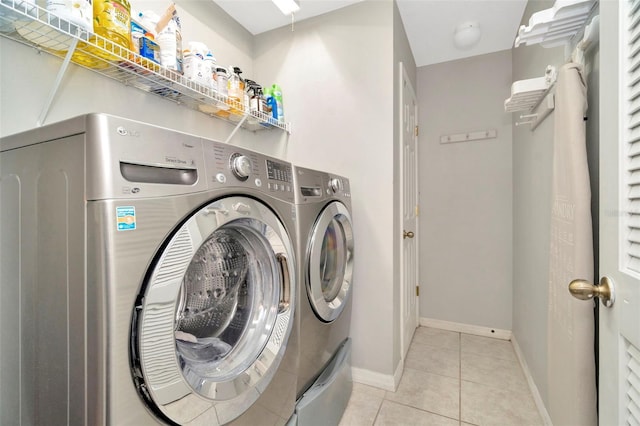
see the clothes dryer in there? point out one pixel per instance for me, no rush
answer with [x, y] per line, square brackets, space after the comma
[147, 276]
[325, 248]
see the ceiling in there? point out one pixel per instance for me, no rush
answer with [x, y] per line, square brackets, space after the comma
[430, 24]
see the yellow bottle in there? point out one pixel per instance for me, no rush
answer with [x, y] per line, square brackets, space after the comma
[111, 22]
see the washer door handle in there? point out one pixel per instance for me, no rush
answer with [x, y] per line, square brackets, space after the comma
[285, 294]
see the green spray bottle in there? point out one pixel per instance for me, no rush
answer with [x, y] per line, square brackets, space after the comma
[277, 94]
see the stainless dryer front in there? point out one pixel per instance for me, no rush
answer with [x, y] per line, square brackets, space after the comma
[150, 276]
[325, 265]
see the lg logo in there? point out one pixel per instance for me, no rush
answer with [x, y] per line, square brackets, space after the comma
[128, 190]
[124, 132]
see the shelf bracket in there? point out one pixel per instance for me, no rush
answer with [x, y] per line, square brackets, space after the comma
[244, 117]
[56, 84]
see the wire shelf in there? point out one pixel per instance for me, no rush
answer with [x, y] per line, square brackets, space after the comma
[526, 95]
[34, 26]
[557, 25]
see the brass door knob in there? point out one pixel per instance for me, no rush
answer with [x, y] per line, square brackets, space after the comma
[408, 234]
[584, 290]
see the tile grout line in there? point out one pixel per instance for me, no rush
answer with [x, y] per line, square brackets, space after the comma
[379, 408]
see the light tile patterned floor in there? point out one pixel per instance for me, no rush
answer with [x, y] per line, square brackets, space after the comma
[450, 379]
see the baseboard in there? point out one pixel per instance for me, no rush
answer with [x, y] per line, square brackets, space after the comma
[382, 381]
[542, 409]
[466, 328]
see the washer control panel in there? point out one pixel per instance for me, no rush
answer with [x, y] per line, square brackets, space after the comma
[240, 166]
[229, 166]
[280, 176]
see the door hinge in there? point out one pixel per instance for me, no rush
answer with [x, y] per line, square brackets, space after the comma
[417, 291]
[417, 131]
[417, 210]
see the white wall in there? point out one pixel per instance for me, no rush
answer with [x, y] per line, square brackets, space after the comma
[466, 192]
[533, 165]
[338, 96]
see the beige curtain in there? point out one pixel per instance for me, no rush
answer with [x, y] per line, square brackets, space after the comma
[571, 373]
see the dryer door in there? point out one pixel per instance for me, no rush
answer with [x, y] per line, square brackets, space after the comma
[215, 314]
[330, 261]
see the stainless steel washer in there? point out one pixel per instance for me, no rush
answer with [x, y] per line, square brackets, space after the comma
[325, 247]
[148, 276]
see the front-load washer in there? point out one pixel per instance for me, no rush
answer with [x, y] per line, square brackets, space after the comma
[147, 276]
[325, 256]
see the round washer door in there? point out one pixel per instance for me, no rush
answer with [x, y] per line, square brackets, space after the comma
[212, 323]
[330, 261]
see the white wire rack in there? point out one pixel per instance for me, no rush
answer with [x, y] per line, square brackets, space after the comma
[526, 95]
[533, 96]
[555, 26]
[34, 26]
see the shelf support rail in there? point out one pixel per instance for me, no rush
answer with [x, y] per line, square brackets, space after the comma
[244, 117]
[56, 84]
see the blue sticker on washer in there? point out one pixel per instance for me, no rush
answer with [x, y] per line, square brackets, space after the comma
[126, 218]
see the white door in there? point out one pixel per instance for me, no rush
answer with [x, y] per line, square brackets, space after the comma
[409, 203]
[619, 330]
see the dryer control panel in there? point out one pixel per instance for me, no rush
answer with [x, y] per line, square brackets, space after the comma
[314, 185]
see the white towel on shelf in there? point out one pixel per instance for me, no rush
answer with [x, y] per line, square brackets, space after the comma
[571, 361]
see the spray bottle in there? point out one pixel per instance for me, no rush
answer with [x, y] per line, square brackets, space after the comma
[277, 94]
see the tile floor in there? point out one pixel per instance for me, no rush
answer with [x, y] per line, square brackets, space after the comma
[450, 379]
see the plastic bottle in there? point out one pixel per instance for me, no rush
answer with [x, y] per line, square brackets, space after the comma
[210, 69]
[253, 95]
[271, 102]
[194, 64]
[235, 93]
[111, 21]
[263, 106]
[277, 94]
[169, 37]
[244, 98]
[148, 19]
[77, 12]
[189, 64]
[222, 79]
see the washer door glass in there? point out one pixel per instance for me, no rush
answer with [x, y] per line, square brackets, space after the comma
[216, 313]
[330, 261]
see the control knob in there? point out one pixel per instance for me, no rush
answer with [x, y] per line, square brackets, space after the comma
[240, 166]
[335, 185]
